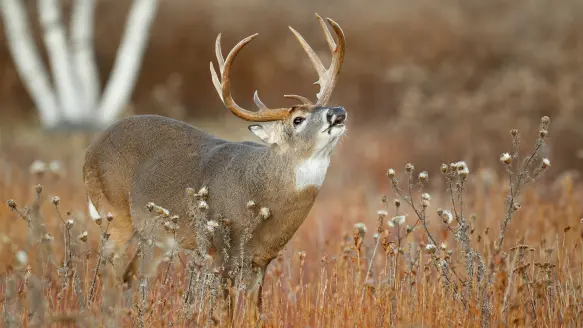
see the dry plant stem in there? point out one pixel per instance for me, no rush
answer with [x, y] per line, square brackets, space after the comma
[97, 268]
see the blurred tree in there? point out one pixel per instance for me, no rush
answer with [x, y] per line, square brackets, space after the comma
[75, 100]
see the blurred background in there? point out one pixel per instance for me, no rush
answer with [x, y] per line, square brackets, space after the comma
[423, 81]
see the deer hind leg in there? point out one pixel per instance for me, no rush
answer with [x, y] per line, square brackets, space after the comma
[120, 235]
[255, 290]
[147, 258]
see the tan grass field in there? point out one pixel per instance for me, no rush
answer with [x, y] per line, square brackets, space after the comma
[331, 274]
[426, 83]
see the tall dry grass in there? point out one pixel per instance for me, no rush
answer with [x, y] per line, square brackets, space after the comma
[347, 266]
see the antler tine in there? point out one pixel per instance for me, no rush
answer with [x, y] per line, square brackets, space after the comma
[301, 99]
[329, 38]
[326, 77]
[223, 87]
[258, 101]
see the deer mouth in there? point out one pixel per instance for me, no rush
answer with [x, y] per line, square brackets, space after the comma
[332, 126]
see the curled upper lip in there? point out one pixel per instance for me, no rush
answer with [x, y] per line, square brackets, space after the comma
[331, 125]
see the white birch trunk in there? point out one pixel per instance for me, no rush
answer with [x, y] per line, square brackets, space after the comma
[82, 20]
[128, 60]
[27, 61]
[66, 83]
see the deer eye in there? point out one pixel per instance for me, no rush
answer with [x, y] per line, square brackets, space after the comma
[298, 120]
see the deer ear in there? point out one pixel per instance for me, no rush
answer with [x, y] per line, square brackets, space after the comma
[262, 132]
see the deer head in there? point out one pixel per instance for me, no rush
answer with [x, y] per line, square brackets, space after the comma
[309, 129]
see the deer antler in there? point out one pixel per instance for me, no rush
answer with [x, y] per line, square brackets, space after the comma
[224, 88]
[327, 77]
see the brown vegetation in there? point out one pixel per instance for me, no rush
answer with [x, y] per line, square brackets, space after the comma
[424, 82]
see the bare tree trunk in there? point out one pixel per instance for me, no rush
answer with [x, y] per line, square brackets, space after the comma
[129, 57]
[75, 100]
[28, 63]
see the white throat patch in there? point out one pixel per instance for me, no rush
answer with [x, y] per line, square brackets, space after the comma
[311, 172]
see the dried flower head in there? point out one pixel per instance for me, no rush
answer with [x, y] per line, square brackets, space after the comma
[56, 200]
[423, 176]
[361, 227]
[444, 168]
[463, 173]
[11, 204]
[443, 246]
[426, 196]
[445, 216]
[203, 206]
[516, 206]
[396, 221]
[430, 248]
[150, 206]
[409, 167]
[83, 236]
[21, 257]
[69, 223]
[98, 220]
[391, 173]
[382, 213]
[397, 203]
[251, 205]
[543, 133]
[203, 192]
[48, 237]
[109, 217]
[265, 213]
[545, 163]
[37, 167]
[212, 225]
[506, 158]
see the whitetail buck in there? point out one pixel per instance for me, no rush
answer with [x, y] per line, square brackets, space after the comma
[145, 159]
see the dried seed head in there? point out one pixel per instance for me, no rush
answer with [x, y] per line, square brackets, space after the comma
[545, 120]
[430, 248]
[203, 192]
[98, 220]
[545, 163]
[150, 206]
[461, 165]
[397, 203]
[382, 213]
[425, 196]
[56, 200]
[463, 173]
[265, 213]
[21, 257]
[11, 204]
[543, 133]
[506, 158]
[171, 226]
[444, 168]
[443, 246]
[445, 216]
[251, 205]
[175, 218]
[109, 217]
[391, 173]
[203, 206]
[423, 176]
[514, 132]
[409, 167]
[69, 223]
[48, 237]
[37, 167]
[396, 221]
[212, 225]
[516, 206]
[38, 188]
[361, 227]
[83, 236]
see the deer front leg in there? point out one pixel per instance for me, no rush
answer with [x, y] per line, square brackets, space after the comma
[255, 290]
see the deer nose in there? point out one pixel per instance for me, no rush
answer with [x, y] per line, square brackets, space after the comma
[336, 115]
